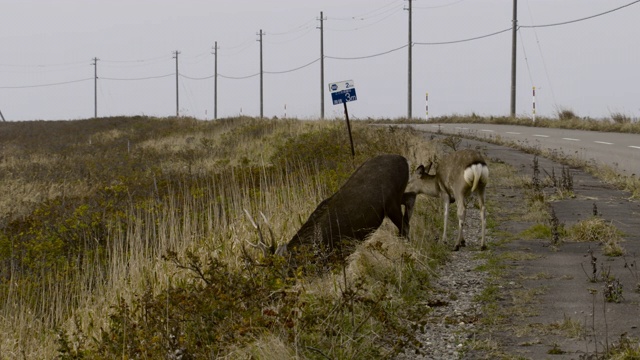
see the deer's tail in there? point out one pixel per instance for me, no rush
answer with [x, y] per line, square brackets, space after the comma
[475, 174]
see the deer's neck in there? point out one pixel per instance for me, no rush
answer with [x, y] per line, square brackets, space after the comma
[427, 185]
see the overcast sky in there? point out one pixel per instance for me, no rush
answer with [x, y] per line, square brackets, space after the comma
[46, 49]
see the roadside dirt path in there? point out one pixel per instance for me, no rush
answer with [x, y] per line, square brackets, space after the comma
[540, 304]
[552, 310]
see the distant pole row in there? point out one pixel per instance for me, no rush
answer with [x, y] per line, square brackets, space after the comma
[322, 80]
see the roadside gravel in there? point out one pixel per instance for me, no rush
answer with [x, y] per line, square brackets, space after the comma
[452, 312]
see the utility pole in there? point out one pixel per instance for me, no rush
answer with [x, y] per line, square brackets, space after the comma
[321, 66]
[2, 116]
[215, 82]
[261, 77]
[95, 87]
[176, 53]
[409, 66]
[513, 58]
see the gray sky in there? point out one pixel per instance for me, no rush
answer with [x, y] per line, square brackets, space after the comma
[589, 67]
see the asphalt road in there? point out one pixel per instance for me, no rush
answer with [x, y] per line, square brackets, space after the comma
[617, 150]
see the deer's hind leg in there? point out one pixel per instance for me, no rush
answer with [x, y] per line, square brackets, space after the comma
[462, 212]
[483, 216]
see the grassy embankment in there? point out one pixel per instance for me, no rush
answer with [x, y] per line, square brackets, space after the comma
[124, 238]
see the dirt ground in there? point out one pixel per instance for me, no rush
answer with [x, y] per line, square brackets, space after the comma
[559, 275]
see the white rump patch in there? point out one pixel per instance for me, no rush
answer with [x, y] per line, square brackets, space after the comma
[476, 173]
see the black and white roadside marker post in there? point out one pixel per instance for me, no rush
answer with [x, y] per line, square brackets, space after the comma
[341, 93]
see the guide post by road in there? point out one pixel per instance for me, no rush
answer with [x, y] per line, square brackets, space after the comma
[341, 93]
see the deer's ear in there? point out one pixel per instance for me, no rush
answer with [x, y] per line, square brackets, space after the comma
[420, 170]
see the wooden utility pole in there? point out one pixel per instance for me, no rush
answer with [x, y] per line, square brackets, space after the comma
[176, 53]
[95, 87]
[215, 81]
[409, 115]
[321, 66]
[261, 77]
[514, 32]
[2, 116]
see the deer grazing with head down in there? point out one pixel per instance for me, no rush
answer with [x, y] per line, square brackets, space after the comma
[357, 209]
[458, 175]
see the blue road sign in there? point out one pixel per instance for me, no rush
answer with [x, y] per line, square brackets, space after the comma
[343, 92]
[344, 96]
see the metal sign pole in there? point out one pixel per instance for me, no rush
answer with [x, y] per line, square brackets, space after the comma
[346, 116]
[343, 92]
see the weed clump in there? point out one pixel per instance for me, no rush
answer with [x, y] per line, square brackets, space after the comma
[596, 229]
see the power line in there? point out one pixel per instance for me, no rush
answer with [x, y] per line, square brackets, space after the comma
[305, 26]
[238, 77]
[397, 10]
[294, 69]
[136, 60]
[581, 19]
[378, 15]
[308, 30]
[438, 6]
[544, 63]
[464, 40]
[138, 79]
[364, 15]
[83, 62]
[45, 85]
[367, 56]
[198, 78]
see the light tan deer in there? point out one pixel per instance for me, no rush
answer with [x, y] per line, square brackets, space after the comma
[458, 175]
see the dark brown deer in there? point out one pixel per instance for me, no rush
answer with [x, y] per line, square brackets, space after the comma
[357, 209]
[458, 175]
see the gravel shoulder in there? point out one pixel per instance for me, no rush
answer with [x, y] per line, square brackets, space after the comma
[544, 305]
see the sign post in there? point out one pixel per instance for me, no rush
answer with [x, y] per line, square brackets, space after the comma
[341, 93]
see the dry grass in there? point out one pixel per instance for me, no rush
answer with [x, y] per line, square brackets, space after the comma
[596, 229]
[184, 188]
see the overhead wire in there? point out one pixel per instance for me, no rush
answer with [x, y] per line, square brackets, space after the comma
[245, 45]
[293, 39]
[364, 16]
[296, 29]
[300, 28]
[463, 40]
[294, 69]
[136, 79]
[437, 6]
[45, 65]
[46, 85]
[526, 58]
[581, 19]
[238, 77]
[197, 78]
[397, 10]
[544, 63]
[366, 56]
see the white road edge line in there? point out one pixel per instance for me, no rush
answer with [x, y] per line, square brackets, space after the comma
[603, 142]
[536, 135]
[570, 139]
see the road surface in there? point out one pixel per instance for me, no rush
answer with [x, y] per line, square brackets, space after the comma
[617, 150]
